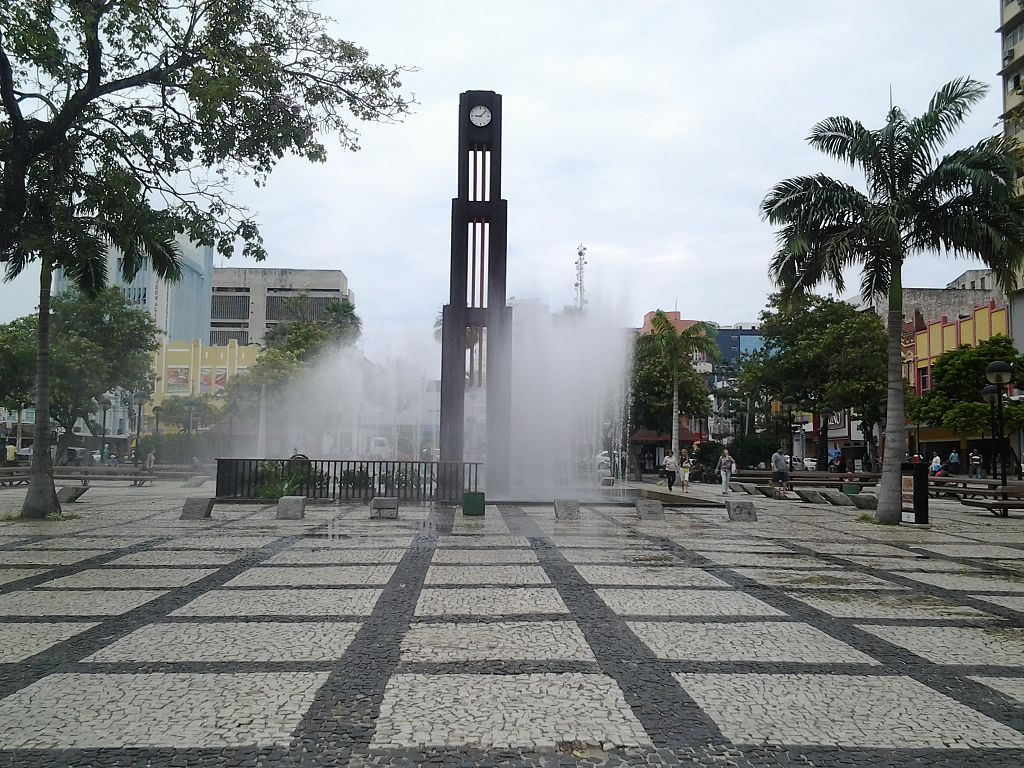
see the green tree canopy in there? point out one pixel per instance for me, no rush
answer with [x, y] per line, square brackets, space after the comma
[309, 329]
[652, 390]
[17, 362]
[915, 201]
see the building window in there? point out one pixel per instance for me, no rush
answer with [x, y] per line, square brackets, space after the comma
[221, 338]
[923, 379]
[972, 285]
[983, 283]
[229, 307]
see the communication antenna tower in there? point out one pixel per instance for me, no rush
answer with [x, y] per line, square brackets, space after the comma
[581, 263]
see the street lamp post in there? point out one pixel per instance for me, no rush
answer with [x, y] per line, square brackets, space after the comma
[741, 412]
[1000, 374]
[140, 398]
[105, 403]
[788, 406]
[156, 412]
[990, 394]
[824, 415]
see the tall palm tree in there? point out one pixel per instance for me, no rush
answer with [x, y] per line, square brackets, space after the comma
[677, 349]
[963, 204]
[77, 241]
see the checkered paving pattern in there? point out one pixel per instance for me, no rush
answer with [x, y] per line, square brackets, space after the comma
[129, 637]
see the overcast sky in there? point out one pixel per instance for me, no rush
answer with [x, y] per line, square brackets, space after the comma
[649, 131]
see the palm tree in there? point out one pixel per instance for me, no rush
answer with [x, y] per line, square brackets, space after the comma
[677, 349]
[962, 204]
[77, 241]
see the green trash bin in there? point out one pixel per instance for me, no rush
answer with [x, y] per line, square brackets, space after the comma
[850, 488]
[473, 503]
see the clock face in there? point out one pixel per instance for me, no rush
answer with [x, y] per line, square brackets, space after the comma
[480, 116]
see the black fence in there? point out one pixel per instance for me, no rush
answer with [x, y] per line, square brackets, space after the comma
[345, 480]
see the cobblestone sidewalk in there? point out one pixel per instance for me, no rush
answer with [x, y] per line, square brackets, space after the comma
[128, 637]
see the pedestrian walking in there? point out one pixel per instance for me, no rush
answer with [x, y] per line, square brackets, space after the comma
[684, 469]
[670, 466]
[954, 461]
[974, 464]
[150, 461]
[780, 477]
[936, 464]
[726, 467]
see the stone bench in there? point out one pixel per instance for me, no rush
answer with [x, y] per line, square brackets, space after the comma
[771, 491]
[741, 511]
[650, 509]
[195, 482]
[864, 501]
[811, 497]
[291, 508]
[384, 508]
[567, 509]
[69, 493]
[197, 508]
[833, 496]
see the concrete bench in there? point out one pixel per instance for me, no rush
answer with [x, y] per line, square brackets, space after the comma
[567, 509]
[291, 508]
[384, 508]
[69, 493]
[741, 511]
[197, 508]
[650, 509]
[195, 482]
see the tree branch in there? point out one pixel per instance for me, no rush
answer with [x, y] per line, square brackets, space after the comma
[7, 94]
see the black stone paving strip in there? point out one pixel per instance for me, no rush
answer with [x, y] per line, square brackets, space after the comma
[496, 667]
[469, 618]
[54, 660]
[668, 714]
[343, 715]
[949, 680]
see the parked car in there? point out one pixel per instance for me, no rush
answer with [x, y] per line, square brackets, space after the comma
[78, 457]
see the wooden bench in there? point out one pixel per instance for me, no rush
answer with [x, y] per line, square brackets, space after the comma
[20, 476]
[999, 501]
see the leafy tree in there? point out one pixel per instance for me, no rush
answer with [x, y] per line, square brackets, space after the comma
[652, 389]
[17, 355]
[307, 331]
[109, 107]
[750, 450]
[187, 413]
[99, 343]
[963, 204]
[676, 349]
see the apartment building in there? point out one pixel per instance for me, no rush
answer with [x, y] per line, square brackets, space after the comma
[1011, 31]
[247, 302]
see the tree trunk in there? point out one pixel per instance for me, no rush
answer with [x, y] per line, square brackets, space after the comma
[675, 417]
[890, 490]
[41, 498]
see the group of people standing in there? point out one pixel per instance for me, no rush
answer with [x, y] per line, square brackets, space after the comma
[952, 466]
[672, 468]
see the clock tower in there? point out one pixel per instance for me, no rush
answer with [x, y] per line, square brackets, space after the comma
[475, 350]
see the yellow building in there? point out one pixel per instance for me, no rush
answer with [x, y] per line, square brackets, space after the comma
[195, 369]
[943, 335]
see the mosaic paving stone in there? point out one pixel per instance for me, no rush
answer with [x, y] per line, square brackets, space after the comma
[824, 579]
[1013, 603]
[505, 710]
[336, 556]
[127, 578]
[1011, 686]
[684, 602]
[354, 542]
[327, 576]
[233, 641]
[850, 605]
[660, 576]
[730, 545]
[841, 710]
[631, 556]
[463, 542]
[494, 601]
[974, 550]
[596, 541]
[47, 557]
[757, 560]
[483, 556]
[911, 564]
[1016, 565]
[220, 542]
[73, 711]
[19, 641]
[8, 575]
[86, 542]
[282, 602]
[977, 583]
[159, 557]
[745, 641]
[854, 548]
[506, 640]
[51, 602]
[995, 646]
[486, 574]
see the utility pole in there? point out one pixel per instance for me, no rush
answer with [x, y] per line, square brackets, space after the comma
[581, 262]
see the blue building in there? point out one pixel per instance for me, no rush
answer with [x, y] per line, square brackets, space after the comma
[735, 343]
[180, 310]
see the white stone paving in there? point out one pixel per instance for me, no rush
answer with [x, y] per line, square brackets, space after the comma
[898, 564]
[493, 601]
[842, 710]
[973, 583]
[7, 575]
[336, 556]
[233, 641]
[539, 711]
[745, 641]
[507, 640]
[129, 578]
[52, 602]
[79, 711]
[641, 557]
[1011, 686]
[823, 579]
[483, 556]
[87, 542]
[219, 542]
[684, 602]
[654, 575]
[993, 646]
[758, 560]
[327, 576]
[282, 602]
[159, 557]
[47, 557]
[20, 640]
[1013, 603]
[483, 575]
[888, 606]
[974, 550]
